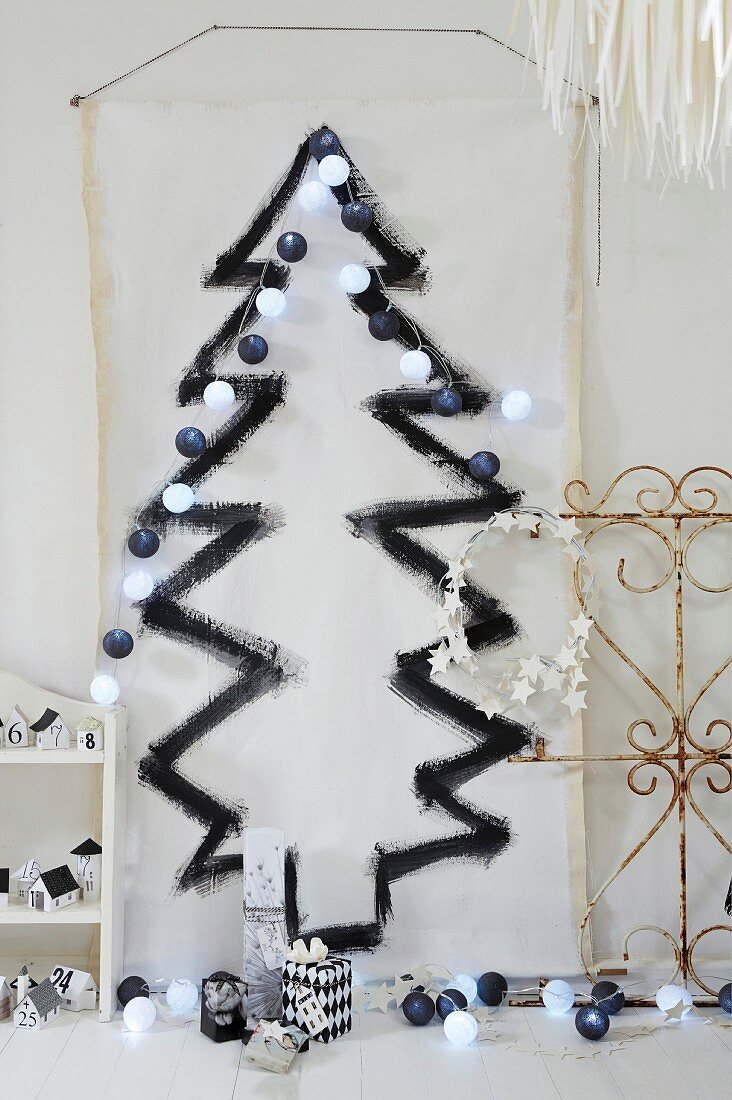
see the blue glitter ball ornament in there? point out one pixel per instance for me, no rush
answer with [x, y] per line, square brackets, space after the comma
[117, 643]
[492, 988]
[592, 1022]
[450, 1000]
[418, 1007]
[725, 998]
[357, 216]
[143, 543]
[324, 143]
[291, 247]
[446, 402]
[252, 349]
[131, 987]
[190, 442]
[384, 324]
[608, 996]
[484, 465]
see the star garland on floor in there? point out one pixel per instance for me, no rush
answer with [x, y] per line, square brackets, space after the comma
[562, 672]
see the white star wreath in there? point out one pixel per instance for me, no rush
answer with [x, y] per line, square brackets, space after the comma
[561, 672]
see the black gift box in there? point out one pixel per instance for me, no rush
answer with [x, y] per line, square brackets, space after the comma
[223, 1007]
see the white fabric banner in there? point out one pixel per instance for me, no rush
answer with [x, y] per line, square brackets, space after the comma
[279, 677]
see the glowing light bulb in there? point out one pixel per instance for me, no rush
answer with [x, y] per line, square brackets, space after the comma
[270, 301]
[138, 585]
[333, 170]
[139, 1014]
[415, 365]
[313, 196]
[104, 689]
[516, 405]
[558, 997]
[354, 278]
[178, 497]
[460, 1028]
[219, 395]
[669, 996]
[182, 996]
[467, 986]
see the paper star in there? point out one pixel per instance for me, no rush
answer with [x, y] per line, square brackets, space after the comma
[522, 689]
[504, 520]
[575, 700]
[581, 651]
[677, 1011]
[567, 529]
[440, 659]
[359, 997]
[443, 618]
[530, 667]
[455, 571]
[527, 521]
[459, 650]
[483, 1015]
[489, 704]
[422, 976]
[379, 998]
[401, 987]
[572, 550]
[552, 679]
[451, 600]
[567, 656]
[577, 676]
[581, 626]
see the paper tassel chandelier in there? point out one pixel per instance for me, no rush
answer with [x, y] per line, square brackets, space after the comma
[659, 70]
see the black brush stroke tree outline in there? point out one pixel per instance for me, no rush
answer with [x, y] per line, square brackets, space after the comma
[259, 665]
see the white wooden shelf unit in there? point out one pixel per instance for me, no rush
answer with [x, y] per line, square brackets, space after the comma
[108, 769]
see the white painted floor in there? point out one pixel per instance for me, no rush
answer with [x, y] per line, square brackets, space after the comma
[383, 1058]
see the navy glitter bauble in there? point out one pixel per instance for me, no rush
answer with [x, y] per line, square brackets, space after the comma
[492, 988]
[323, 143]
[609, 997]
[446, 402]
[291, 247]
[725, 998]
[484, 465]
[143, 543]
[384, 324]
[419, 1008]
[190, 442]
[132, 987]
[252, 349]
[357, 216]
[117, 643]
[450, 1000]
[592, 1022]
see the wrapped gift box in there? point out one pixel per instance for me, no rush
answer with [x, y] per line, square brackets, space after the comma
[329, 982]
[273, 1046]
[223, 1006]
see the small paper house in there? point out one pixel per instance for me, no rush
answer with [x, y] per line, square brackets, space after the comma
[76, 989]
[4, 886]
[39, 1006]
[22, 984]
[6, 999]
[16, 730]
[90, 734]
[54, 889]
[50, 731]
[89, 867]
[26, 876]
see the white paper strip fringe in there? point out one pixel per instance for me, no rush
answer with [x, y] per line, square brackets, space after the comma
[660, 70]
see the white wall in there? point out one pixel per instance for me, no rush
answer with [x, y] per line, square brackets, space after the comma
[656, 377]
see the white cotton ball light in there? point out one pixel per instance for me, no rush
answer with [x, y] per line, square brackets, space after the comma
[313, 196]
[466, 985]
[219, 395]
[558, 997]
[138, 585]
[178, 497]
[182, 996]
[270, 302]
[669, 996]
[415, 365]
[460, 1028]
[139, 1014]
[333, 170]
[354, 278]
[104, 689]
[516, 405]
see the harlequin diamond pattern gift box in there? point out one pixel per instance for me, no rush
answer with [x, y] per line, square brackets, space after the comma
[329, 982]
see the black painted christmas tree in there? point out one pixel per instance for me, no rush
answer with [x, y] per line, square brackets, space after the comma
[259, 665]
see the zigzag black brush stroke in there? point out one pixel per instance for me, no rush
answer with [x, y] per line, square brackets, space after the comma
[258, 665]
[387, 526]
